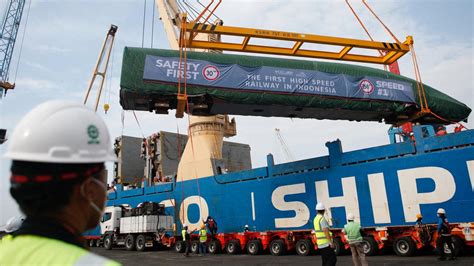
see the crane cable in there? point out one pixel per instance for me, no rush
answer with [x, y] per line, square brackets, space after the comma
[365, 28]
[420, 88]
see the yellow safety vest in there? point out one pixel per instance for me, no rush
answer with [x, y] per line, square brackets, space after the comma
[320, 236]
[183, 233]
[203, 235]
[37, 250]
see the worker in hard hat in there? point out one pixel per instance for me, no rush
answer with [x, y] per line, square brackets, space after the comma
[186, 239]
[423, 230]
[324, 236]
[58, 179]
[353, 232]
[211, 225]
[202, 240]
[444, 236]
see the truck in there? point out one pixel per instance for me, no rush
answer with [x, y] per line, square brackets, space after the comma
[145, 226]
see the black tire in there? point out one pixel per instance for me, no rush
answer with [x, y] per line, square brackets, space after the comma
[370, 246]
[90, 242]
[130, 242]
[180, 246]
[404, 246]
[214, 247]
[304, 247]
[458, 247]
[233, 247]
[254, 247]
[277, 247]
[98, 243]
[194, 247]
[339, 247]
[140, 243]
[108, 242]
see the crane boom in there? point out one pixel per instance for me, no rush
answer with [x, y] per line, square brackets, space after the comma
[100, 68]
[169, 13]
[8, 35]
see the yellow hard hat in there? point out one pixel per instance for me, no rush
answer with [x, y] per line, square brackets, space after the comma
[419, 216]
[106, 107]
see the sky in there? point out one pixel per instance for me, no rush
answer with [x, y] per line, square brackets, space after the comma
[62, 38]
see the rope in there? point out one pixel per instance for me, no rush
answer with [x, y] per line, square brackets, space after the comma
[386, 28]
[365, 28]
[419, 82]
[153, 22]
[138, 123]
[143, 28]
[21, 43]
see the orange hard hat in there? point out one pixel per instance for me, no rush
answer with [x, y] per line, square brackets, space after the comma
[419, 216]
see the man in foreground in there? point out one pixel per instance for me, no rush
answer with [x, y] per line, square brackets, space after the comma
[59, 181]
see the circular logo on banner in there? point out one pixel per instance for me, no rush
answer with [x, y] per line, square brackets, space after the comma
[211, 73]
[366, 86]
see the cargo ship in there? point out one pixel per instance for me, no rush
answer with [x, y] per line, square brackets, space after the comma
[385, 187]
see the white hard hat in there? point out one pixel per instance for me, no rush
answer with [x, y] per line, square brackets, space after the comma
[320, 206]
[61, 132]
[441, 211]
[14, 224]
[185, 225]
[350, 217]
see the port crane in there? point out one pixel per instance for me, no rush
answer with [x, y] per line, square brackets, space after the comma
[8, 35]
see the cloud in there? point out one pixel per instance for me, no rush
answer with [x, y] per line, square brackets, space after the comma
[52, 49]
[37, 66]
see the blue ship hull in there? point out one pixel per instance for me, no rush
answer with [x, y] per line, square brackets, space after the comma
[382, 186]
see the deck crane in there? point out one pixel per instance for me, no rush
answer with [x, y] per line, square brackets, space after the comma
[286, 150]
[101, 66]
[202, 155]
[8, 34]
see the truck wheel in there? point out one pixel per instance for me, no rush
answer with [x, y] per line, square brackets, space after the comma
[180, 246]
[90, 242]
[97, 243]
[195, 246]
[404, 246]
[233, 247]
[214, 247]
[339, 247]
[304, 247]
[458, 246]
[254, 247]
[140, 243]
[370, 246]
[108, 242]
[130, 242]
[277, 247]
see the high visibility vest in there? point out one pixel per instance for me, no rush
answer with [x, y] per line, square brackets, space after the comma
[37, 250]
[6, 237]
[320, 236]
[203, 235]
[183, 233]
[352, 230]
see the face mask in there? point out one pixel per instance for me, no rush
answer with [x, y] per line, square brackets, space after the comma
[94, 206]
